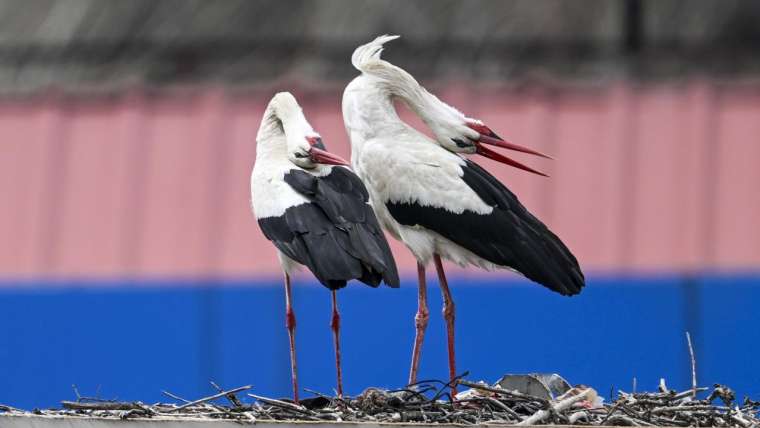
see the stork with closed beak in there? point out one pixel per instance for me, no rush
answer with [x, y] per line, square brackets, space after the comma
[316, 214]
[439, 203]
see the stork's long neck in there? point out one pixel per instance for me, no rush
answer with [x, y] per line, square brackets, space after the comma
[369, 111]
[283, 123]
[397, 82]
[270, 140]
[400, 84]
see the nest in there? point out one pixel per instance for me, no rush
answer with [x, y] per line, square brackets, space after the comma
[430, 402]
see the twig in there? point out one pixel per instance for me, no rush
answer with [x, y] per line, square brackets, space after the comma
[231, 397]
[660, 410]
[450, 385]
[689, 392]
[319, 394]
[743, 422]
[562, 405]
[176, 397]
[576, 416]
[96, 398]
[617, 419]
[610, 412]
[106, 405]
[76, 391]
[693, 367]
[280, 403]
[504, 407]
[209, 398]
[514, 394]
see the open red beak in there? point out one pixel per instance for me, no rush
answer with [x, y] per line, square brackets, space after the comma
[487, 136]
[325, 157]
[498, 157]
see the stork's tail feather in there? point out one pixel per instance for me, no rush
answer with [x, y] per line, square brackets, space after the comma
[370, 52]
[555, 267]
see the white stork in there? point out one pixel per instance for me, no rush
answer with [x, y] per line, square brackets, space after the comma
[440, 204]
[317, 215]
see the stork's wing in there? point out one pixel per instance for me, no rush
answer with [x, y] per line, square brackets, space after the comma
[508, 236]
[336, 235]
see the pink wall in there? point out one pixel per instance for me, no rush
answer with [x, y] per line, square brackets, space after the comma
[645, 178]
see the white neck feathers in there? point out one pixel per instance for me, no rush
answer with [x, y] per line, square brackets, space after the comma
[283, 117]
[396, 82]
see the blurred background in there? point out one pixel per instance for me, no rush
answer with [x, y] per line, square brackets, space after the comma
[130, 262]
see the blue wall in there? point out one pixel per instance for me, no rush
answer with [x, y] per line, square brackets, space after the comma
[130, 340]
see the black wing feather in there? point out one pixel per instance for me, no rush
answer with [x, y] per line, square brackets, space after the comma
[509, 236]
[336, 235]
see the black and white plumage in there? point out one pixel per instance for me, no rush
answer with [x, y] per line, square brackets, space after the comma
[441, 205]
[336, 234]
[316, 213]
[508, 236]
[320, 216]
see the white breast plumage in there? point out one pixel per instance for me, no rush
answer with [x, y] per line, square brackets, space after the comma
[414, 170]
[270, 195]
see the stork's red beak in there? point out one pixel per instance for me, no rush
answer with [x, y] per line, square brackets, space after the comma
[487, 136]
[325, 157]
[498, 157]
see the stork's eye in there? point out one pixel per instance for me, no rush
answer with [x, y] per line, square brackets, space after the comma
[316, 142]
[462, 144]
[301, 155]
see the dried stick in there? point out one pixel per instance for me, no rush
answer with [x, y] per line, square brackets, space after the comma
[743, 422]
[659, 410]
[331, 399]
[96, 398]
[503, 407]
[562, 405]
[627, 421]
[280, 403]
[231, 396]
[693, 367]
[209, 398]
[176, 397]
[688, 392]
[107, 405]
[514, 394]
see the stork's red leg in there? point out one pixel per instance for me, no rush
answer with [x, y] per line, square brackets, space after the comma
[290, 323]
[448, 315]
[420, 322]
[335, 325]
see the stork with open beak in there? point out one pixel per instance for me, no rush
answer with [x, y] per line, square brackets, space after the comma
[439, 203]
[316, 213]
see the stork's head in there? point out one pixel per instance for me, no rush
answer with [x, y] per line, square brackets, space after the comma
[309, 151]
[305, 147]
[460, 134]
[453, 130]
